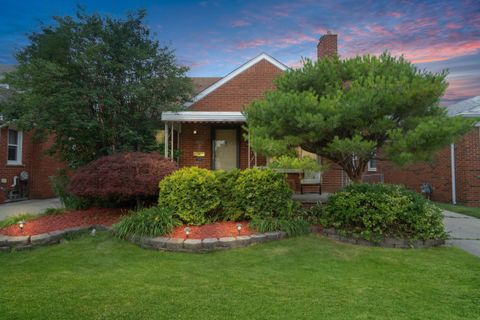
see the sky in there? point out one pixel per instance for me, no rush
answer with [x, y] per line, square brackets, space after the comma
[214, 37]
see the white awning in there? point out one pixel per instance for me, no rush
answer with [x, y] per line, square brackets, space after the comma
[203, 116]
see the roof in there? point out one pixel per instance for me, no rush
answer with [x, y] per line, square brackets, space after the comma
[5, 68]
[465, 108]
[203, 116]
[234, 73]
[201, 83]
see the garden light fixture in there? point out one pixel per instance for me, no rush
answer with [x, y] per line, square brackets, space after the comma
[187, 231]
[21, 225]
[239, 228]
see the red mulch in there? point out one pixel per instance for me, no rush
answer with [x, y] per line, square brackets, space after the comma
[70, 219]
[213, 230]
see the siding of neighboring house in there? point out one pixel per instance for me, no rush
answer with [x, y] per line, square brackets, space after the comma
[438, 172]
[34, 161]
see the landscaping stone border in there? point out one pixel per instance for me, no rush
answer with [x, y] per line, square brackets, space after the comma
[207, 244]
[386, 243]
[18, 243]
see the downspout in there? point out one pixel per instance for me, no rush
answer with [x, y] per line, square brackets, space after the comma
[452, 167]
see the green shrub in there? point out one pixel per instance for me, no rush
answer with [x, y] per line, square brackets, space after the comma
[293, 226]
[148, 222]
[263, 193]
[288, 162]
[193, 194]
[375, 211]
[229, 206]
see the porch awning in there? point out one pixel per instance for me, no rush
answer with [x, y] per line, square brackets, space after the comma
[203, 116]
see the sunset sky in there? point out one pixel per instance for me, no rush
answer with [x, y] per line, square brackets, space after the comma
[214, 37]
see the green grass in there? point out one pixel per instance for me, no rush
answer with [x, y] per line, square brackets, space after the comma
[28, 216]
[469, 211]
[307, 277]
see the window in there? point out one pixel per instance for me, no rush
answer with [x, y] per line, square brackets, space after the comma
[14, 147]
[372, 163]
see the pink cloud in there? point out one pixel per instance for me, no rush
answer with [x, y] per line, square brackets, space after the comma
[380, 30]
[453, 26]
[439, 51]
[288, 40]
[395, 14]
[250, 44]
[240, 23]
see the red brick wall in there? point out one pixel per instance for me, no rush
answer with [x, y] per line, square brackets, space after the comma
[199, 142]
[43, 167]
[38, 165]
[438, 173]
[332, 178]
[237, 93]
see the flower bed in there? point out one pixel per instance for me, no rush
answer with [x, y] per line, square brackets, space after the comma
[72, 219]
[214, 230]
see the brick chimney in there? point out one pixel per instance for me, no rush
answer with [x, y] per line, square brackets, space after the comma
[327, 45]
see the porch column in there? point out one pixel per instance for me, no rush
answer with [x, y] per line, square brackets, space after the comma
[249, 155]
[171, 147]
[166, 140]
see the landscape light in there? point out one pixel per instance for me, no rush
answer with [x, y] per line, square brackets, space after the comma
[21, 225]
[187, 231]
[239, 228]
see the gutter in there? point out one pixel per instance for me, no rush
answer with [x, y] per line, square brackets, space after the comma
[452, 167]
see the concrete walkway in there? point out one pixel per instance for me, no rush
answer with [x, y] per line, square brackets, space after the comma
[28, 206]
[464, 231]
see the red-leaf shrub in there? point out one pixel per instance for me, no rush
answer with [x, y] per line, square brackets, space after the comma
[122, 177]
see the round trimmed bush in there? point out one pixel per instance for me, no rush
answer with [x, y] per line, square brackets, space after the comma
[122, 177]
[263, 194]
[376, 211]
[193, 194]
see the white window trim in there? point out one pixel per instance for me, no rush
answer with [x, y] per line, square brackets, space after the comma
[370, 168]
[19, 149]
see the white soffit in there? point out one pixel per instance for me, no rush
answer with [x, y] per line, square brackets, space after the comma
[235, 73]
[203, 116]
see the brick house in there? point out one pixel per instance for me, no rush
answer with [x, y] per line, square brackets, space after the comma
[209, 132]
[24, 167]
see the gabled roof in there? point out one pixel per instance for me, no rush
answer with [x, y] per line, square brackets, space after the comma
[201, 83]
[235, 73]
[465, 108]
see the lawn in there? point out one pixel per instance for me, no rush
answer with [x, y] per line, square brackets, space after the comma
[469, 211]
[308, 277]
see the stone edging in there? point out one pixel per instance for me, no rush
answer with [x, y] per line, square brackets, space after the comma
[386, 243]
[207, 244]
[8, 243]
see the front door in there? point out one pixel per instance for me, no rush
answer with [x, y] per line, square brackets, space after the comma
[225, 148]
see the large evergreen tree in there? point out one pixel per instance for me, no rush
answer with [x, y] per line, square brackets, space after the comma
[99, 84]
[346, 110]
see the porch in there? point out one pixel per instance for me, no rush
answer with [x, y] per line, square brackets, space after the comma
[218, 140]
[210, 140]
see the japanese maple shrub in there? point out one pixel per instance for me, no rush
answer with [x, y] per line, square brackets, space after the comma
[123, 177]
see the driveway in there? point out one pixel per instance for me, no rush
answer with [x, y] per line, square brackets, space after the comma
[464, 231]
[28, 206]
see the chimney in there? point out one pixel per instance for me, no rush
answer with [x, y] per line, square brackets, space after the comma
[327, 45]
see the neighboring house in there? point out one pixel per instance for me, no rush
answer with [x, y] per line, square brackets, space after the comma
[454, 175]
[209, 132]
[24, 167]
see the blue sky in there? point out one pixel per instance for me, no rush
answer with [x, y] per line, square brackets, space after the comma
[214, 37]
